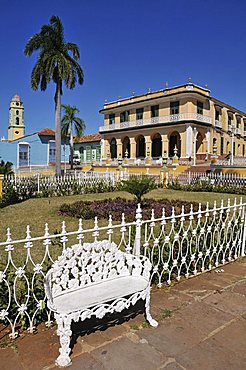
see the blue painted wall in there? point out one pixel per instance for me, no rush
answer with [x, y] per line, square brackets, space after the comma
[38, 149]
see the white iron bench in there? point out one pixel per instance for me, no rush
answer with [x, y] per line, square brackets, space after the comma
[94, 279]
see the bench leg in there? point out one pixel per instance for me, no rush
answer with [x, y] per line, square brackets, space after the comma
[147, 310]
[64, 331]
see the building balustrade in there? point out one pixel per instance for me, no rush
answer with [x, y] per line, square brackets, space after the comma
[157, 120]
[218, 124]
[238, 131]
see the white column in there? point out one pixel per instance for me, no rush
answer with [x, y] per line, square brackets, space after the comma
[195, 133]
[189, 140]
[102, 143]
[208, 140]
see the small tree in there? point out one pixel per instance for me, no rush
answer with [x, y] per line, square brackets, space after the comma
[139, 186]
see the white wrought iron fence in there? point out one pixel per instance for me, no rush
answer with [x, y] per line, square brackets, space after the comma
[74, 183]
[237, 161]
[69, 182]
[184, 244]
[187, 178]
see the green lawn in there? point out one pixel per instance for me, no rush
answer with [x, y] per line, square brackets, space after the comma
[36, 212]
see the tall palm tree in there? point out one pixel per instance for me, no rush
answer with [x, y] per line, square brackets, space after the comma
[57, 61]
[69, 118]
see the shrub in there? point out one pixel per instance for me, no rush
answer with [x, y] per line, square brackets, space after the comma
[208, 186]
[139, 186]
[6, 168]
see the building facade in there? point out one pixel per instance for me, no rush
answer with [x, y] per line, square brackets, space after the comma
[186, 117]
[36, 149]
[88, 147]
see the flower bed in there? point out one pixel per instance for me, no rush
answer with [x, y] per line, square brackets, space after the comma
[115, 208]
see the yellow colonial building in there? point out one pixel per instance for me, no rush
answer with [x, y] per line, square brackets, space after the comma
[186, 116]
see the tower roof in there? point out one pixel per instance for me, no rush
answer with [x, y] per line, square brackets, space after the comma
[16, 98]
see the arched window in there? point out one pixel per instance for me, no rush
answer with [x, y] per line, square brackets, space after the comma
[113, 148]
[17, 113]
[141, 147]
[174, 140]
[17, 120]
[126, 147]
[214, 145]
[156, 146]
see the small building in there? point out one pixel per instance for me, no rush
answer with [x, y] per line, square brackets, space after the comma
[186, 117]
[88, 147]
[36, 149]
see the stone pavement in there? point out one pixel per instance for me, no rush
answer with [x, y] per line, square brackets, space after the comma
[202, 325]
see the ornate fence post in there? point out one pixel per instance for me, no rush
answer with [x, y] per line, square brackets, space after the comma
[244, 234]
[38, 177]
[137, 242]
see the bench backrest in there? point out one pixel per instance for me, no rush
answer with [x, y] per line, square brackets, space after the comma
[91, 263]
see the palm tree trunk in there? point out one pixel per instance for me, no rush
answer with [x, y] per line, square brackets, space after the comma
[71, 144]
[58, 128]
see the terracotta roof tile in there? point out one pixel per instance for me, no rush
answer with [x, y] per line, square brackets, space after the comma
[47, 131]
[88, 138]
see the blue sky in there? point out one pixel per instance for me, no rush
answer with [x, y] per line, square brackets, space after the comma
[125, 46]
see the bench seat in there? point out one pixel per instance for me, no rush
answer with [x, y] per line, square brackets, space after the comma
[105, 291]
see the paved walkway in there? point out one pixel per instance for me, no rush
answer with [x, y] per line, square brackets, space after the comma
[202, 325]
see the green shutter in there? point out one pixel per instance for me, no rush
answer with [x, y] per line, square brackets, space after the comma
[81, 150]
[98, 153]
[88, 153]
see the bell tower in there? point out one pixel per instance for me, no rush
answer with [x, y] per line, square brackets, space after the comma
[16, 127]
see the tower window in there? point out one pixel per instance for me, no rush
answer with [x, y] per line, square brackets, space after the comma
[17, 113]
[17, 120]
[16, 132]
[17, 104]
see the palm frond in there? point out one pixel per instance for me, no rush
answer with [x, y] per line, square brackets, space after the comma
[73, 48]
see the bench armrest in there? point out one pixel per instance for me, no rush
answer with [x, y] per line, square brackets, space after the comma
[47, 286]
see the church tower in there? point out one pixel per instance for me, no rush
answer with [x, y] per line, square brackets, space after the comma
[16, 127]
